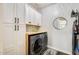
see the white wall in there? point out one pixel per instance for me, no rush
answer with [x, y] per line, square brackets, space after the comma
[59, 39]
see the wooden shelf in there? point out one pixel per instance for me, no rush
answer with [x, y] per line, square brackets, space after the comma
[30, 24]
[32, 27]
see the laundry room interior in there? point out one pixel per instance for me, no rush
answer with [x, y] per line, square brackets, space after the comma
[39, 29]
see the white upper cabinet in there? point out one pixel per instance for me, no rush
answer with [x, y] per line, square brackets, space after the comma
[20, 13]
[12, 11]
[32, 16]
[27, 14]
[9, 13]
[38, 18]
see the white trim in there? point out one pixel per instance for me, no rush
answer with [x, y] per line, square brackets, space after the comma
[70, 53]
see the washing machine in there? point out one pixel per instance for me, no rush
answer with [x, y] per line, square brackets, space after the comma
[36, 43]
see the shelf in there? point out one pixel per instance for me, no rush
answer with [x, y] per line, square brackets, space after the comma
[32, 27]
[30, 24]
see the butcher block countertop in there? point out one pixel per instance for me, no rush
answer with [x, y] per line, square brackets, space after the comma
[34, 32]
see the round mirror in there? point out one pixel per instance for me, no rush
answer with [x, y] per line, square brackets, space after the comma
[59, 23]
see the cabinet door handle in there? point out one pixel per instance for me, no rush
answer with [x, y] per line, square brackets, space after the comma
[15, 19]
[15, 27]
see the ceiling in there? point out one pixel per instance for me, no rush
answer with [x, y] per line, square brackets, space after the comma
[39, 6]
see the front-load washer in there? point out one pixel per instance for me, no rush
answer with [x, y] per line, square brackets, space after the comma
[36, 43]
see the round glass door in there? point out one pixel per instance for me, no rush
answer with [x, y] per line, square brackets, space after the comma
[37, 46]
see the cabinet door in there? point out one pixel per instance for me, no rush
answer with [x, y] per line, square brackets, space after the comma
[27, 13]
[37, 18]
[9, 39]
[32, 16]
[21, 39]
[9, 13]
[20, 12]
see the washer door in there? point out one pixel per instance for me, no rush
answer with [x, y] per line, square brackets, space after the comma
[37, 46]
